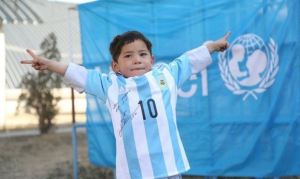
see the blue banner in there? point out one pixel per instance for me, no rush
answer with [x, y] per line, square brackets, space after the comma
[240, 116]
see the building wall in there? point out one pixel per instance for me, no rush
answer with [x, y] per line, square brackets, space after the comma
[60, 18]
[25, 120]
[2, 77]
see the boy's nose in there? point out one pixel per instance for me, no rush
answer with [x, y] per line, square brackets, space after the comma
[137, 59]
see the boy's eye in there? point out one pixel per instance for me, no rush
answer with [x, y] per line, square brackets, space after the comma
[127, 56]
[143, 54]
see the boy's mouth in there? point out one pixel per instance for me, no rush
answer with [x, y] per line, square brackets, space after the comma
[137, 69]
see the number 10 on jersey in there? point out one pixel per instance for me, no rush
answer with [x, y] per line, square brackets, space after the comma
[148, 107]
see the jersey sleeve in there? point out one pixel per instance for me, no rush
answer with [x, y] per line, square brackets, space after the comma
[189, 63]
[88, 81]
[97, 84]
[75, 77]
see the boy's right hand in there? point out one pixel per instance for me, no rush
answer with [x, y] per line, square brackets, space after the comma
[40, 63]
[37, 62]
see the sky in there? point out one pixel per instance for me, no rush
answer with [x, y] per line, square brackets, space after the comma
[74, 1]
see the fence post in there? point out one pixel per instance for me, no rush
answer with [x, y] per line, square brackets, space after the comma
[75, 152]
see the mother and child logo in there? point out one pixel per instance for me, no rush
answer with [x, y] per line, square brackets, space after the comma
[249, 66]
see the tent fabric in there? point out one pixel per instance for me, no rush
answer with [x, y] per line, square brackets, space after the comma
[239, 117]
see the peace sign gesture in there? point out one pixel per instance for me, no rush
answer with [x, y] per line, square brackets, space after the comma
[223, 42]
[220, 44]
[37, 62]
[40, 63]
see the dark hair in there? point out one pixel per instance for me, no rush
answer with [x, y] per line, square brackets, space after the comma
[128, 37]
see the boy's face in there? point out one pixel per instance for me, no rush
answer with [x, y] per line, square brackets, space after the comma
[134, 60]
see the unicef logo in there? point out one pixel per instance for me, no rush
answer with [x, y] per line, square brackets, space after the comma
[249, 66]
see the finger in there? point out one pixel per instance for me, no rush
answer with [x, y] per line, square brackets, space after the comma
[31, 53]
[224, 47]
[36, 68]
[26, 62]
[227, 35]
[43, 67]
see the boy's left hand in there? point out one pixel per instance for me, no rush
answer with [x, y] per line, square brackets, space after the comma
[220, 44]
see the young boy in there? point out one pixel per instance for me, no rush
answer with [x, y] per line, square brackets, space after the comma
[141, 100]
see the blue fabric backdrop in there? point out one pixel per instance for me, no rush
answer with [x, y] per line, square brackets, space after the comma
[239, 118]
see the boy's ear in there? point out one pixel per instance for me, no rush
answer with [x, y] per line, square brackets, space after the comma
[153, 60]
[115, 66]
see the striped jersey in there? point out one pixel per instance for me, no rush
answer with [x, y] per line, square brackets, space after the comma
[143, 113]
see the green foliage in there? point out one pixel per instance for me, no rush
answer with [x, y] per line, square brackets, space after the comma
[38, 95]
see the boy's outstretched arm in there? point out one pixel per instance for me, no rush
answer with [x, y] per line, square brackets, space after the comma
[40, 63]
[218, 45]
[74, 75]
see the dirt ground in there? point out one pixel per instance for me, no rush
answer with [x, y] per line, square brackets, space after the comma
[50, 157]
[45, 157]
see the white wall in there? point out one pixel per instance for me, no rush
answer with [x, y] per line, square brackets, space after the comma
[2, 78]
[11, 120]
